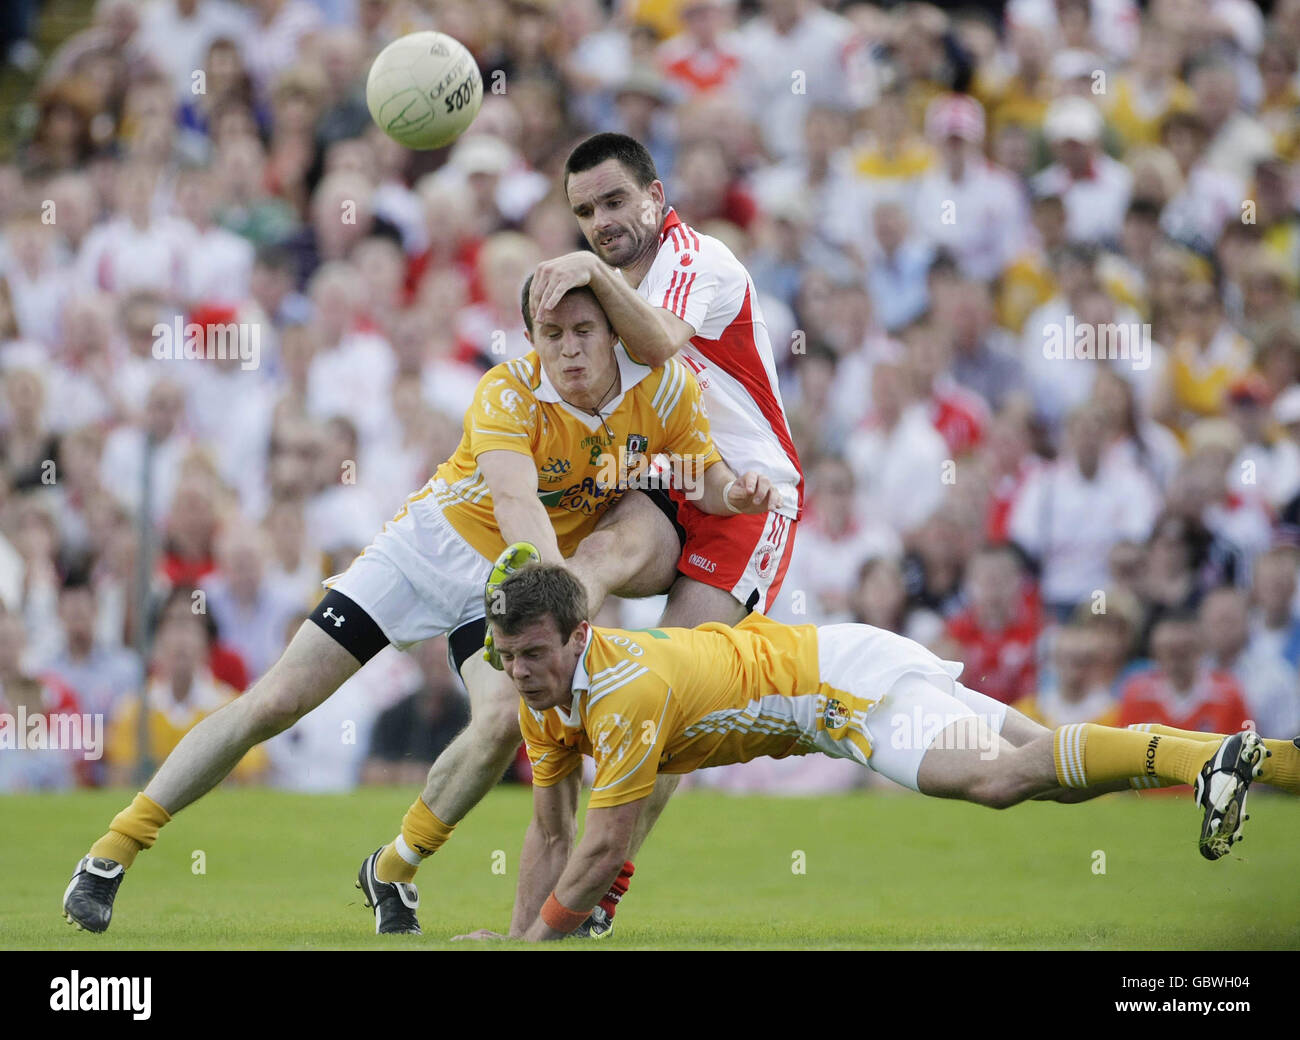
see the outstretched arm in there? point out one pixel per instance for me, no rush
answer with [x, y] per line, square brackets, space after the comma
[512, 479]
[591, 869]
[546, 848]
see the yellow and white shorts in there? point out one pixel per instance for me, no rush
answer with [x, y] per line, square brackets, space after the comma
[419, 578]
[884, 701]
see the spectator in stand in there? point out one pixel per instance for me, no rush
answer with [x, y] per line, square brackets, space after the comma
[983, 355]
[1072, 693]
[1115, 633]
[1005, 462]
[492, 332]
[410, 735]
[896, 455]
[1276, 623]
[137, 249]
[897, 276]
[99, 674]
[965, 204]
[996, 634]
[24, 768]
[934, 564]
[249, 611]
[189, 530]
[837, 537]
[1094, 187]
[957, 413]
[180, 691]
[880, 598]
[245, 207]
[1207, 357]
[703, 57]
[1070, 513]
[1182, 690]
[351, 368]
[792, 38]
[30, 454]
[1269, 684]
[223, 661]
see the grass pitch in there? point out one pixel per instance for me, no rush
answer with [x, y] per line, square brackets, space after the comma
[720, 872]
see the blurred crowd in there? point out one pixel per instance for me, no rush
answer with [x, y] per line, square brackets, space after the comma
[927, 201]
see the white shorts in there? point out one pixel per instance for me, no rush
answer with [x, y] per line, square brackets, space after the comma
[419, 578]
[884, 700]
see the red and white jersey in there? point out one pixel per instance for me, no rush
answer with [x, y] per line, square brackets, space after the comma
[700, 280]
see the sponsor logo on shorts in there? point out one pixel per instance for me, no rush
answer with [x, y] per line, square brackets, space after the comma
[765, 557]
[702, 562]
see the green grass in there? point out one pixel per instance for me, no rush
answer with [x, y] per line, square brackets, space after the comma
[882, 870]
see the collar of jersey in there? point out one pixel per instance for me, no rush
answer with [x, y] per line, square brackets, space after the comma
[630, 373]
[671, 220]
[581, 681]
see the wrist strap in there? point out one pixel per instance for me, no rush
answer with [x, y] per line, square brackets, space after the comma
[726, 495]
[559, 917]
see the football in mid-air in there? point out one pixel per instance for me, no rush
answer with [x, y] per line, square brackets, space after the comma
[424, 89]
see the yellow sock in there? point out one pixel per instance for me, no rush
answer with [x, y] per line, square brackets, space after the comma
[133, 829]
[422, 835]
[1280, 770]
[1087, 754]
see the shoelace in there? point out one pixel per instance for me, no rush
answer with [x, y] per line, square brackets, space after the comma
[101, 888]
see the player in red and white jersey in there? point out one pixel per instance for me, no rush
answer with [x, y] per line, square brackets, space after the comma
[670, 290]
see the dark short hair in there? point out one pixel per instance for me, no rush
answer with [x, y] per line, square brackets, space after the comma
[627, 150]
[528, 315]
[540, 590]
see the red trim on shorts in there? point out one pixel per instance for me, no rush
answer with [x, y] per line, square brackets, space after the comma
[727, 544]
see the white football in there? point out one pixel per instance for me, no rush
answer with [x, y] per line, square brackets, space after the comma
[424, 89]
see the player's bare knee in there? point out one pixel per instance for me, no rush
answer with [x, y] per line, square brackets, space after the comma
[271, 709]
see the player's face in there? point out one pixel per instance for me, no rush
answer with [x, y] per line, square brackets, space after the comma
[619, 219]
[576, 346]
[540, 662]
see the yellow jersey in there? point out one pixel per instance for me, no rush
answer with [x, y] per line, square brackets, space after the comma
[584, 462]
[674, 700]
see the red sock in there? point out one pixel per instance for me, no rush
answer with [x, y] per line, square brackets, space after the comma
[618, 889]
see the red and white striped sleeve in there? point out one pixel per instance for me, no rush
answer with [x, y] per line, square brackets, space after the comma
[684, 278]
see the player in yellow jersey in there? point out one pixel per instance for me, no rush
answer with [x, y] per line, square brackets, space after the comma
[643, 703]
[551, 441]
